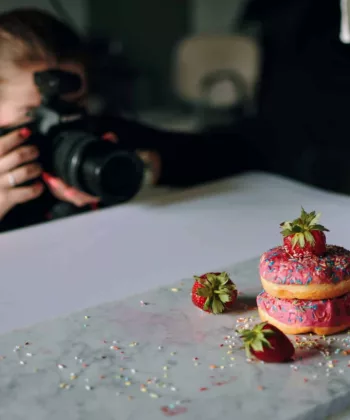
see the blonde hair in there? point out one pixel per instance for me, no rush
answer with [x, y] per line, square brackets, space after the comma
[29, 36]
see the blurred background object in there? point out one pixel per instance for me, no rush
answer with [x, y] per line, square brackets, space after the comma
[215, 78]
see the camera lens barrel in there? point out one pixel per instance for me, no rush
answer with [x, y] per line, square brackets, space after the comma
[97, 167]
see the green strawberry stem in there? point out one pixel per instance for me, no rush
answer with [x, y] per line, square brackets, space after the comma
[218, 290]
[302, 227]
[256, 338]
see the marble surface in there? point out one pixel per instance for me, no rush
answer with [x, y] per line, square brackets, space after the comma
[155, 355]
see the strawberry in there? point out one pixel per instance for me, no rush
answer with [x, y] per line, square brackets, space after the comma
[304, 237]
[268, 343]
[214, 292]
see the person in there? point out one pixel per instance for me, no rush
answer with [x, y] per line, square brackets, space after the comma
[302, 105]
[33, 40]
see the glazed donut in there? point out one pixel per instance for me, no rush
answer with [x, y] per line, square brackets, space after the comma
[313, 278]
[322, 317]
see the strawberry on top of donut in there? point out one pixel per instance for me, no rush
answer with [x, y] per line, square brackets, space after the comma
[214, 292]
[304, 236]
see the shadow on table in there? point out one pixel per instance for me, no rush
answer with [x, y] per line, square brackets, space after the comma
[244, 304]
[171, 196]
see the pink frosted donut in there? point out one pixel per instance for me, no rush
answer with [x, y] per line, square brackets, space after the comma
[314, 278]
[322, 317]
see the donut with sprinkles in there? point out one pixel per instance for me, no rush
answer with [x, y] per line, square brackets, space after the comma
[293, 316]
[305, 267]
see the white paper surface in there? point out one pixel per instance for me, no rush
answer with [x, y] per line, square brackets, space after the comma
[60, 267]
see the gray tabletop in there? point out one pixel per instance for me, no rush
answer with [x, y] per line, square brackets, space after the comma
[155, 355]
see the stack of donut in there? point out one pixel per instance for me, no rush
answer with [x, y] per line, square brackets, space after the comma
[306, 282]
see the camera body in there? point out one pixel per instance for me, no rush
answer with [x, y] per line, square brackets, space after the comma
[70, 148]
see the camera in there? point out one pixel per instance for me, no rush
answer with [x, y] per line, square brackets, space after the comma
[70, 147]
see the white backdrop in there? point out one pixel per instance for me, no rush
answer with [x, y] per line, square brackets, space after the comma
[79, 262]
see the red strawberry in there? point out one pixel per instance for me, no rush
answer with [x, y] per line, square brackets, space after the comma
[268, 343]
[304, 237]
[214, 292]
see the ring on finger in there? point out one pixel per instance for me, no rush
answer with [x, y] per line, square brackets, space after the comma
[11, 179]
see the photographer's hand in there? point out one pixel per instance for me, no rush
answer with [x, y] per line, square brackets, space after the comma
[17, 167]
[64, 192]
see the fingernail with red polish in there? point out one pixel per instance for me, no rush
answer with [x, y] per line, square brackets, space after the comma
[25, 132]
[45, 176]
[110, 137]
[53, 182]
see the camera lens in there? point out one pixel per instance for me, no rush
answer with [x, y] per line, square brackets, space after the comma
[110, 172]
[97, 167]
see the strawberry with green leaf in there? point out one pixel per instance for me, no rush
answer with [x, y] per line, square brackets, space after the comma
[214, 292]
[304, 237]
[267, 343]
